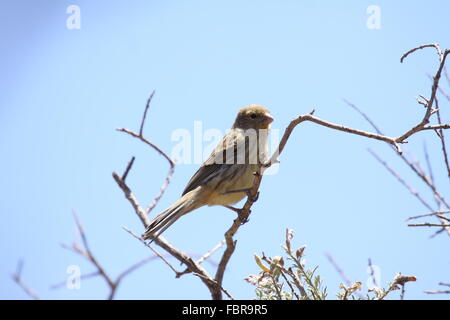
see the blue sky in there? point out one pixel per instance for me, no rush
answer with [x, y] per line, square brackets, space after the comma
[63, 93]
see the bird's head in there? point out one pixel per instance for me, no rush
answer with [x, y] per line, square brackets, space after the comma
[253, 117]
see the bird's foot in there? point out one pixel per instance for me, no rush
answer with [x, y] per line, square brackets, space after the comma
[255, 198]
[238, 211]
[242, 219]
[240, 214]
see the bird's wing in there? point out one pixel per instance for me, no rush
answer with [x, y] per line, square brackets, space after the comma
[223, 156]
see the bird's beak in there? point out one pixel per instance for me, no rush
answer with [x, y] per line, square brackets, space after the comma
[268, 119]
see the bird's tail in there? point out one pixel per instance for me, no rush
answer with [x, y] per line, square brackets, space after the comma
[166, 218]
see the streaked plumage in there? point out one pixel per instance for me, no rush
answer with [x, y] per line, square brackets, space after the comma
[230, 167]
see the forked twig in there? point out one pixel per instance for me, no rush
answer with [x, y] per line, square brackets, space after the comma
[85, 252]
[17, 277]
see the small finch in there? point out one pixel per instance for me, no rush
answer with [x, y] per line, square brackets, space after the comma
[227, 174]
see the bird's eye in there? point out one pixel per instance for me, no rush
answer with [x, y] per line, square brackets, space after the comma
[253, 116]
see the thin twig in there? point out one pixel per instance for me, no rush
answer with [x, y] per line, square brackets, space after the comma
[133, 267]
[210, 252]
[339, 270]
[130, 164]
[411, 165]
[121, 182]
[433, 45]
[441, 136]
[401, 180]
[426, 224]
[440, 291]
[132, 199]
[168, 176]
[310, 117]
[82, 277]
[152, 249]
[148, 142]
[282, 272]
[17, 277]
[147, 106]
[100, 271]
[428, 214]
[439, 88]
[429, 108]
[87, 253]
[437, 291]
[372, 274]
[344, 277]
[430, 172]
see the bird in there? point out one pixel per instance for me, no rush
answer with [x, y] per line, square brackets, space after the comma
[228, 173]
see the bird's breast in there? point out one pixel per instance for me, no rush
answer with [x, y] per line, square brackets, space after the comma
[225, 191]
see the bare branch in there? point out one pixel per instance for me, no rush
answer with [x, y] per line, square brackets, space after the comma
[372, 273]
[169, 174]
[430, 171]
[148, 142]
[432, 45]
[100, 271]
[161, 190]
[130, 164]
[88, 253]
[185, 259]
[426, 224]
[192, 266]
[17, 277]
[439, 88]
[149, 100]
[153, 249]
[343, 275]
[401, 180]
[132, 268]
[365, 116]
[428, 214]
[339, 270]
[244, 213]
[215, 285]
[438, 128]
[210, 252]
[417, 170]
[141, 213]
[82, 277]
[441, 136]
[440, 291]
[437, 291]
[310, 117]
[429, 110]
[252, 194]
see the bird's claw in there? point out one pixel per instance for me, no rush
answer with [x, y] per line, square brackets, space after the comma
[255, 198]
[240, 214]
[242, 219]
